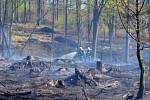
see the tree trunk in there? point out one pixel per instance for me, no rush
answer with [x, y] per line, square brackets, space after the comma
[111, 28]
[29, 18]
[66, 18]
[96, 15]
[139, 57]
[17, 12]
[53, 25]
[149, 25]
[25, 12]
[57, 11]
[0, 23]
[38, 12]
[127, 38]
[88, 19]
[95, 25]
[10, 28]
[78, 19]
[5, 20]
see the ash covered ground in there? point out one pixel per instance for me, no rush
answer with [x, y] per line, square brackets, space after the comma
[68, 79]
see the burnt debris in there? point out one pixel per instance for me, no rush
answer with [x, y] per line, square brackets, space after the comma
[30, 63]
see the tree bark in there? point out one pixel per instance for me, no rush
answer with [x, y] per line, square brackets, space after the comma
[127, 38]
[38, 12]
[57, 11]
[95, 25]
[78, 19]
[29, 18]
[17, 12]
[25, 12]
[88, 19]
[0, 11]
[96, 15]
[139, 57]
[111, 29]
[66, 19]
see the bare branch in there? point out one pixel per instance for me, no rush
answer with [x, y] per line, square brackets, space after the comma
[127, 7]
[124, 25]
[143, 2]
[103, 3]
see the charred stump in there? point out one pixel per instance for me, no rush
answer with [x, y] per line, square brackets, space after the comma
[99, 65]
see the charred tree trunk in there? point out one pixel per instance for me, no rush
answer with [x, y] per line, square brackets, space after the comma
[139, 57]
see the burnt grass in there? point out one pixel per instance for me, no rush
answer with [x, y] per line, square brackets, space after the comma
[20, 82]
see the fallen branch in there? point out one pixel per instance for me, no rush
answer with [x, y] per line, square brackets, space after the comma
[15, 94]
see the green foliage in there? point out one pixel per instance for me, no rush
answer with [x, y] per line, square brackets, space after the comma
[60, 22]
[71, 19]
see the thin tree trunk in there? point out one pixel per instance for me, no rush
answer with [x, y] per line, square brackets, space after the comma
[127, 38]
[25, 12]
[149, 25]
[78, 21]
[88, 19]
[66, 17]
[0, 22]
[11, 21]
[38, 12]
[95, 23]
[29, 10]
[111, 29]
[96, 15]
[5, 20]
[17, 12]
[139, 57]
[57, 11]
[53, 25]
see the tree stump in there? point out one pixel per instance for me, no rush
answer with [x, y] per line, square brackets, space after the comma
[99, 65]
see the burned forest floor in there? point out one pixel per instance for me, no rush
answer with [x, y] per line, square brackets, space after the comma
[60, 80]
[55, 73]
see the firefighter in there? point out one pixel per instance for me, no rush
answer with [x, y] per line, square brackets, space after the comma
[89, 54]
[81, 53]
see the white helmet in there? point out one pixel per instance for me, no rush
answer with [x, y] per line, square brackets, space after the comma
[89, 48]
[81, 48]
